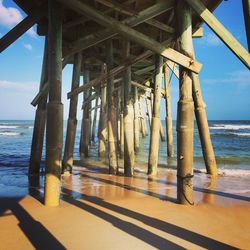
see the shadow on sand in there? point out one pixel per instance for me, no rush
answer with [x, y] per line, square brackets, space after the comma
[138, 232]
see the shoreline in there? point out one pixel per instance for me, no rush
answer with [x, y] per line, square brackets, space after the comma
[100, 211]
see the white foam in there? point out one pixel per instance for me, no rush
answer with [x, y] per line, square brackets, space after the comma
[31, 127]
[230, 126]
[227, 172]
[8, 126]
[242, 134]
[9, 133]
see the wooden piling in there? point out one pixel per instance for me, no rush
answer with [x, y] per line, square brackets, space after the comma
[103, 117]
[143, 118]
[129, 155]
[94, 119]
[136, 120]
[246, 12]
[54, 132]
[185, 116]
[155, 123]
[169, 132]
[40, 120]
[122, 121]
[202, 123]
[112, 125]
[72, 120]
[84, 138]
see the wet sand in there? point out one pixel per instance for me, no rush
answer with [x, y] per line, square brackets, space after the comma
[99, 211]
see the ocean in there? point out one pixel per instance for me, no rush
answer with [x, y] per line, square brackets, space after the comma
[231, 141]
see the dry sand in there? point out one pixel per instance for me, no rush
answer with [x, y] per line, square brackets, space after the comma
[99, 211]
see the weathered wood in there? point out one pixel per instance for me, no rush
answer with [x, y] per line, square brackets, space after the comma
[129, 156]
[169, 132]
[112, 128]
[122, 121]
[94, 119]
[226, 37]
[21, 28]
[198, 33]
[136, 121]
[202, 123]
[185, 113]
[89, 99]
[149, 112]
[40, 120]
[54, 131]
[100, 36]
[246, 11]
[133, 35]
[84, 137]
[72, 120]
[122, 8]
[103, 118]
[155, 122]
[143, 118]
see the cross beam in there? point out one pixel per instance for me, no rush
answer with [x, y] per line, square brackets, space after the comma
[227, 38]
[133, 35]
[21, 28]
[100, 36]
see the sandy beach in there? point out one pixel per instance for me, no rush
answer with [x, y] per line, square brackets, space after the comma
[99, 211]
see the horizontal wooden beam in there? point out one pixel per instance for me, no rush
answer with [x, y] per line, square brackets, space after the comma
[227, 38]
[133, 35]
[145, 88]
[112, 72]
[100, 36]
[21, 28]
[122, 8]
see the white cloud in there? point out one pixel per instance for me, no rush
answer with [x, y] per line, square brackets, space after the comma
[20, 86]
[9, 17]
[210, 39]
[28, 46]
[237, 77]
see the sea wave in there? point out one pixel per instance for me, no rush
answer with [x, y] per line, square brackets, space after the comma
[230, 127]
[242, 134]
[227, 172]
[8, 126]
[9, 133]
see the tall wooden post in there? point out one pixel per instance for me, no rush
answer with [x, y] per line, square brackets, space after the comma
[94, 119]
[129, 155]
[54, 132]
[72, 121]
[155, 123]
[103, 118]
[185, 115]
[149, 111]
[112, 127]
[136, 121]
[84, 139]
[202, 123]
[170, 148]
[143, 117]
[40, 120]
[246, 11]
[122, 122]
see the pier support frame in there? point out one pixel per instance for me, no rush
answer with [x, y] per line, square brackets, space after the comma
[129, 154]
[40, 121]
[112, 123]
[155, 123]
[72, 120]
[185, 113]
[169, 130]
[136, 120]
[103, 117]
[54, 132]
[85, 130]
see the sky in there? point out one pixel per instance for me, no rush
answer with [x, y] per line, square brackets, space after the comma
[225, 81]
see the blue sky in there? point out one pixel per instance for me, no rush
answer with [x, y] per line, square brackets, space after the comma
[225, 81]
